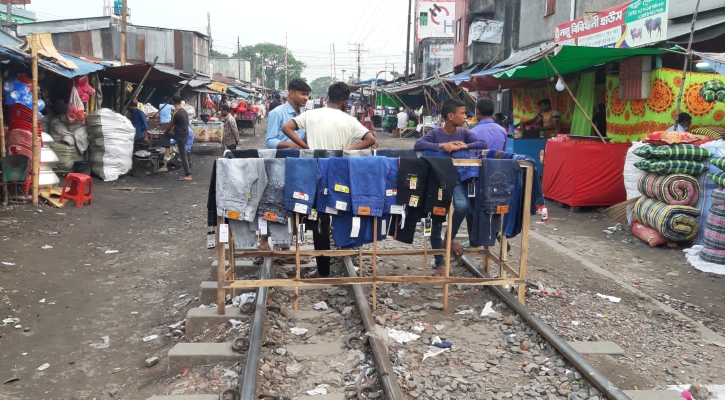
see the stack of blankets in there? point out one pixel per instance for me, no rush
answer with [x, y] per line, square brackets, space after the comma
[670, 190]
[713, 243]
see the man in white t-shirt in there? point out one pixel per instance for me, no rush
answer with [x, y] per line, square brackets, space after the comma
[330, 128]
[402, 119]
[310, 105]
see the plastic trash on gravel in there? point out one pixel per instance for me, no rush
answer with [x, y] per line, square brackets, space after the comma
[402, 337]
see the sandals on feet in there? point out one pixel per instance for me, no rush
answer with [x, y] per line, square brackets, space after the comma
[456, 250]
[440, 271]
[314, 275]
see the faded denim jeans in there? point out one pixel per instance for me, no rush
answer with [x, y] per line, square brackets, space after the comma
[496, 185]
[368, 176]
[240, 184]
[273, 196]
[460, 210]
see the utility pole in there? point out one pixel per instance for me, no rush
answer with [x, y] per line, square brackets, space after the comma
[10, 13]
[286, 64]
[331, 65]
[208, 33]
[124, 12]
[407, 42]
[359, 51]
[239, 58]
[334, 63]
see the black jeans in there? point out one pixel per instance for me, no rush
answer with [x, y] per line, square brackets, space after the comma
[321, 240]
[181, 144]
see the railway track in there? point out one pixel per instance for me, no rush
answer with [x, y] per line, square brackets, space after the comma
[344, 352]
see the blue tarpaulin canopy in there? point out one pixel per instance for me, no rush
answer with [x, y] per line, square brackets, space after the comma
[84, 67]
[238, 92]
[715, 60]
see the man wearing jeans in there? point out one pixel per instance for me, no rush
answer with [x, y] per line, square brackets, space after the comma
[179, 130]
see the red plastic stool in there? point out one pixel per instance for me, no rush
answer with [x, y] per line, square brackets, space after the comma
[78, 190]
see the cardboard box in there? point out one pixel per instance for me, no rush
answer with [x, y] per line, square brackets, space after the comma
[210, 132]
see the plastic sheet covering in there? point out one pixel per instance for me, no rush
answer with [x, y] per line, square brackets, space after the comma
[693, 257]
[111, 143]
[20, 141]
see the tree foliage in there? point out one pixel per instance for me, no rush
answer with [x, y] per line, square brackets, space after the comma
[319, 86]
[267, 60]
[217, 54]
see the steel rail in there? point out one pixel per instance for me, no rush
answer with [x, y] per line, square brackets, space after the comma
[587, 370]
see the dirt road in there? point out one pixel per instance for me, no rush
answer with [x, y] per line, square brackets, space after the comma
[130, 265]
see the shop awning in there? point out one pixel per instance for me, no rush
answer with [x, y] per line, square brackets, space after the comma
[238, 92]
[573, 59]
[715, 60]
[82, 67]
[160, 75]
[204, 90]
[464, 76]
[218, 87]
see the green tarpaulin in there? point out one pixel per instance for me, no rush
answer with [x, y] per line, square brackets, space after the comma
[573, 59]
[585, 95]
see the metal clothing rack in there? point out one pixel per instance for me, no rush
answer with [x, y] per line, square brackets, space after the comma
[508, 275]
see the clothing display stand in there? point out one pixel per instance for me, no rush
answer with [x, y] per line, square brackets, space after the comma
[507, 275]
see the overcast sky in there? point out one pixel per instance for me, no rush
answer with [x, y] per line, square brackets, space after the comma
[311, 26]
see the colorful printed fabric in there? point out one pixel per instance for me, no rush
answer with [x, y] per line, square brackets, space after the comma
[714, 235]
[681, 152]
[717, 198]
[715, 133]
[718, 178]
[675, 189]
[664, 167]
[676, 223]
[629, 120]
[718, 162]
[712, 256]
[670, 137]
[645, 151]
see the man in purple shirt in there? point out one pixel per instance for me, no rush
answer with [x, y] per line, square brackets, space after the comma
[450, 138]
[487, 129]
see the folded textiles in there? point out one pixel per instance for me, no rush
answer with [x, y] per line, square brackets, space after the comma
[645, 151]
[676, 223]
[715, 133]
[718, 178]
[675, 189]
[718, 162]
[672, 167]
[712, 256]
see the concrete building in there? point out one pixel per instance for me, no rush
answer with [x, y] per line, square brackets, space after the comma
[435, 56]
[100, 37]
[434, 28]
[484, 32]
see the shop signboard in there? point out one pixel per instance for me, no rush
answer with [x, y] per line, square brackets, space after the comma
[632, 24]
[434, 19]
[439, 51]
[485, 31]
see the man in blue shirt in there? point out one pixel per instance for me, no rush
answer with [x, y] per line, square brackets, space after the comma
[299, 91]
[487, 129]
[165, 112]
[138, 119]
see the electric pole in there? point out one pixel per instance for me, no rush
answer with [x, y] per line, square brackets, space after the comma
[359, 51]
[407, 42]
[239, 58]
[334, 63]
[124, 13]
[286, 65]
[331, 65]
[208, 33]
[10, 13]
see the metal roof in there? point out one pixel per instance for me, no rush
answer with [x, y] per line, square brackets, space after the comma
[525, 55]
[238, 92]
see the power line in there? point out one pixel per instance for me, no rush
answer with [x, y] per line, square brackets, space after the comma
[359, 50]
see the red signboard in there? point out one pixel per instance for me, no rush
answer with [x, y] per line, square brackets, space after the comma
[583, 27]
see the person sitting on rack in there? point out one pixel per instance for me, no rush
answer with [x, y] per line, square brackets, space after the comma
[450, 138]
[545, 122]
[683, 123]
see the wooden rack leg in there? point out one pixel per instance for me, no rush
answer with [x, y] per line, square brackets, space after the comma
[487, 261]
[360, 262]
[526, 224]
[297, 261]
[375, 262]
[232, 264]
[220, 270]
[502, 254]
[449, 230]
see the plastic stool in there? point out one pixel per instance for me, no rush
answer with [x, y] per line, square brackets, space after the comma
[78, 191]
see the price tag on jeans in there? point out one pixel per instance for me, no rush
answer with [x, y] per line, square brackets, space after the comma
[341, 205]
[413, 183]
[362, 210]
[427, 226]
[300, 208]
[439, 211]
[210, 240]
[384, 227]
[301, 233]
[355, 227]
[234, 215]
[472, 188]
[397, 209]
[224, 233]
[440, 194]
[330, 210]
[391, 192]
[313, 215]
[413, 201]
[341, 188]
[301, 196]
[502, 209]
[262, 227]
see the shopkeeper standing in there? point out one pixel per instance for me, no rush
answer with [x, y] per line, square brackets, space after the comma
[683, 123]
[546, 121]
[138, 119]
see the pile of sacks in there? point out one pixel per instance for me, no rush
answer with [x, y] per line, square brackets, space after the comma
[70, 141]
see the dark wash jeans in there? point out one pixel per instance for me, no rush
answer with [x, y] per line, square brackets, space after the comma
[496, 186]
